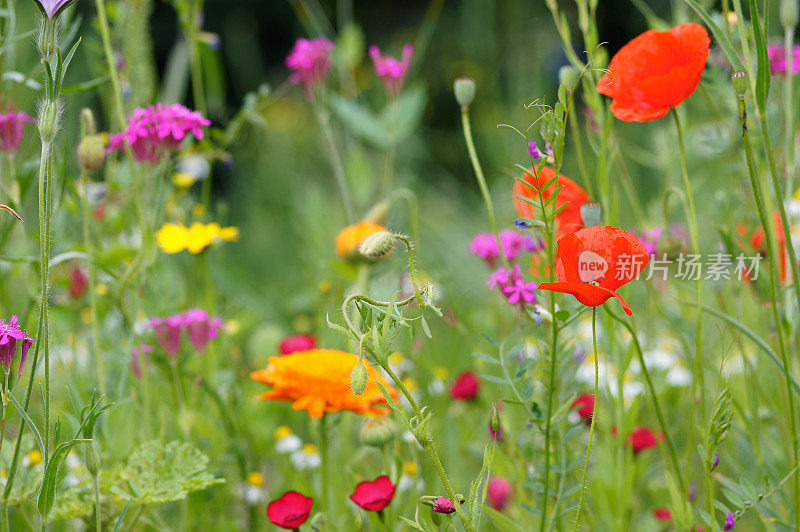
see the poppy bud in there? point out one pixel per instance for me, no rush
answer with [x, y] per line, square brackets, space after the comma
[91, 153]
[739, 80]
[494, 420]
[377, 245]
[465, 91]
[789, 13]
[378, 431]
[358, 379]
[378, 213]
[590, 212]
[567, 75]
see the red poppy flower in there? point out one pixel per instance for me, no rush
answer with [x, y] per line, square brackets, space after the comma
[662, 514]
[290, 510]
[465, 387]
[585, 402]
[299, 342]
[568, 220]
[374, 495]
[759, 243]
[595, 261]
[655, 72]
[641, 439]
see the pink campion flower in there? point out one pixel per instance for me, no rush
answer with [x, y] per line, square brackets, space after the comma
[298, 342]
[484, 245]
[513, 243]
[52, 8]
[9, 335]
[310, 61]
[520, 292]
[11, 129]
[78, 283]
[201, 327]
[778, 62]
[498, 491]
[157, 130]
[392, 72]
[168, 331]
[443, 505]
[138, 362]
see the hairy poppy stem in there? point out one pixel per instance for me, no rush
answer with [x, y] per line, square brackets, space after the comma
[759, 200]
[594, 418]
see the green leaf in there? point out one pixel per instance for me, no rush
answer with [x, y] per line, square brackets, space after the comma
[762, 69]
[47, 494]
[158, 473]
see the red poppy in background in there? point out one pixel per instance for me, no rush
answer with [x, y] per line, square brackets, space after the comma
[642, 438]
[585, 404]
[299, 342]
[662, 514]
[655, 72]
[759, 243]
[465, 387]
[568, 220]
[374, 495]
[290, 510]
[595, 261]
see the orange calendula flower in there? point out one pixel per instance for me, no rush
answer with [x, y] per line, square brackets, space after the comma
[174, 238]
[655, 72]
[318, 381]
[350, 238]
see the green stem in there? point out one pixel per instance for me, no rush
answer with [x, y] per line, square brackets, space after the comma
[788, 115]
[97, 510]
[594, 417]
[476, 166]
[87, 244]
[324, 455]
[757, 194]
[45, 187]
[323, 118]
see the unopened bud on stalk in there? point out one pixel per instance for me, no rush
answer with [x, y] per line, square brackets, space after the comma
[494, 420]
[91, 153]
[358, 379]
[590, 212]
[377, 245]
[88, 124]
[789, 13]
[739, 81]
[92, 460]
[378, 213]
[465, 91]
[49, 115]
[378, 431]
[567, 75]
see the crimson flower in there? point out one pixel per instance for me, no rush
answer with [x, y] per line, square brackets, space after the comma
[374, 495]
[655, 72]
[11, 129]
[662, 514]
[443, 505]
[290, 510]
[465, 387]
[572, 195]
[585, 404]
[641, 439]
[298, 342]
[498, 491]
[595, 261]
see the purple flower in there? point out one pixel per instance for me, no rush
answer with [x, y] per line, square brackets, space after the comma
[533, 150]
[200, 327]
[168, 331]
[484, 245]
[9, 335]
[392, 72]
[53, 8]
[137, 361]
[310, 62]
[513, 243]
[155, 130]
[443, 505]
[778, 62]
[729, 521]
[520, 291]
[503, 276]
[715, 463]
[650, 238]
[11, 125]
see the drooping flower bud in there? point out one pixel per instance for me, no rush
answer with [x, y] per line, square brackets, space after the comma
[464, 89]
[739, 80]
[377, 245]
[378, 431]
[358, 379]
[590, 212]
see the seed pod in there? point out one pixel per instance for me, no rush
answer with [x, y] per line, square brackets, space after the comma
[739, 80]
[358, 379]
[464, 89]
[590, 212]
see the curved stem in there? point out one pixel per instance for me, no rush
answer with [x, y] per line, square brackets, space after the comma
[594, 417]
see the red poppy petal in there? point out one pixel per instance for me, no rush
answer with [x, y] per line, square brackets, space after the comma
[571, 195]
[588, 294]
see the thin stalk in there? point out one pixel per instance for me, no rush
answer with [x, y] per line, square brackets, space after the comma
[324, 456]
[594, 417]
[97, 511]
[788, 115]
[476, 166]
[45, 187]
[757, 194]
[323, 118]
[87, 244]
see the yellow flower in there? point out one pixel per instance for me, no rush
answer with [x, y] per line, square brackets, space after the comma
[282, 431]
[34, 457]
[183, 180]
[441, 373]
[256, 479]
[174, 238]
[410, 469]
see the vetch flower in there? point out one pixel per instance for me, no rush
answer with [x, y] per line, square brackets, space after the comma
[53, 8]
[157, 130]
[11, 129]
[778, 63]
[298, 342]
[465, 387]
[374, 495]
[443, 505]
[318, 381]
[730, 522]
[596, 261]
[498, 492]
[655, 72]
[392, 71]
[174, 238]
[310, 62]
[10, 334]
[290, 510]
[570, 197]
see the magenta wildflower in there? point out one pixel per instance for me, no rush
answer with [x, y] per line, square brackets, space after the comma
[138, 362]
[443, 505]
[484, 245]
[200, 327]
[778, 63]
[168, 330]
[157, 130]
[9, 335]
[503, 277]
[730, 522]
[498, 492]
[11, 126]
[392, 72]
[310, 62]
[533, 150]
[53, 8]
[650, 238]
[520, 292]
